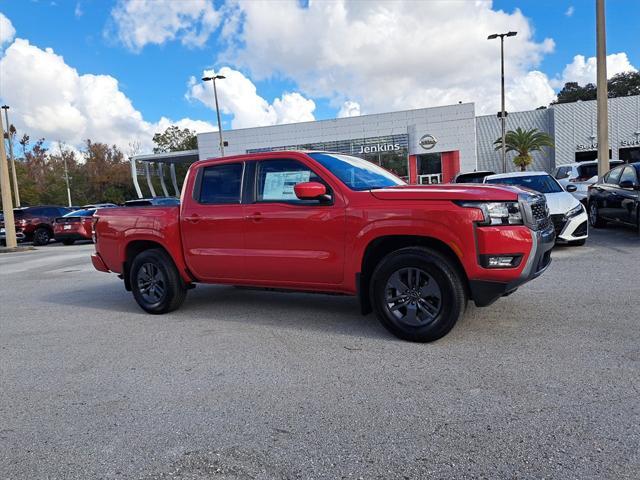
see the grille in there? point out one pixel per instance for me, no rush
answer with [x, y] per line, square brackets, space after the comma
[558, 223]
[539, 213]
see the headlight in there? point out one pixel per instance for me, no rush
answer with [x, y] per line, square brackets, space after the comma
[498, 213]
[577, 210]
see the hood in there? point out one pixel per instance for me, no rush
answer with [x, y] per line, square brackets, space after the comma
[561, 202]
[466, 192]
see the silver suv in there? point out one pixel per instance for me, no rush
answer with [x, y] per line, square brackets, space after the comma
[580, 174]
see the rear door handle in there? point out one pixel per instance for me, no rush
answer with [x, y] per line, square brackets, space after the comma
[256, 217]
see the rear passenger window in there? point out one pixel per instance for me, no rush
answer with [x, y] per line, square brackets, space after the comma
[221, 184]
[613, 176]
[629, 175]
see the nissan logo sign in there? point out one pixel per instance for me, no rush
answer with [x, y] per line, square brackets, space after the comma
[428, 141]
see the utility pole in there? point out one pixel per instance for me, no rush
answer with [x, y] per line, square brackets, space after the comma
[66, 172]
[503, 113]
[7, 204]
[602, 90]
[215, 94]
[16, 192]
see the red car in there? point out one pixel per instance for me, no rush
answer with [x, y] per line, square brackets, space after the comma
[325, 222]
[36, 223]
[76, 225]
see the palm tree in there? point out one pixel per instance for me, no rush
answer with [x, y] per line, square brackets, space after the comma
[524, 142]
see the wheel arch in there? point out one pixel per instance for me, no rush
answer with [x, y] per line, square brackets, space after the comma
[133, 249]
[380, 247]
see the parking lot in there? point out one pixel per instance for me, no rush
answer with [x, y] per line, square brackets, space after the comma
[245, 384]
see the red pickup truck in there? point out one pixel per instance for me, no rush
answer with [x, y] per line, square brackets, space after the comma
[331, 223]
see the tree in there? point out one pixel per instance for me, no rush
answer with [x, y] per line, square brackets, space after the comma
[524, 142]
[175, 139]
[24, 143]
[620, 85]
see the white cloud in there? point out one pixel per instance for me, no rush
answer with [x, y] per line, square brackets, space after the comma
[570, 11]
[238, 96]
[141, 22]
[388, 55]
[349, 109]
[61, 104]
[7, 32]
[583, 70]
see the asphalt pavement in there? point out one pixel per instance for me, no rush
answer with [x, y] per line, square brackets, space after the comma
[244, 384]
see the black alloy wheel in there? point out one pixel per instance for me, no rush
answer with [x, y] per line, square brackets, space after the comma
[41, 236]
[413, 296]
[155, 282]
[418, 294]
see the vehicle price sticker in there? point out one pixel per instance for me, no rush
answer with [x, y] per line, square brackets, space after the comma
[279, 185]
[67, 227]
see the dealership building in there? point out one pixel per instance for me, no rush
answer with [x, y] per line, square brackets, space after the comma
[432, 145]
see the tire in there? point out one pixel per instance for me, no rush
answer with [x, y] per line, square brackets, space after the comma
[594, 216]
[578, 243]
[68, 241]
[41, 236]
[166, 290]
[417, 294]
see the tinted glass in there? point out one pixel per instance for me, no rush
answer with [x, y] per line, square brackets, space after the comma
[355, 173]
[276, 179]
[588, 171]
[475, 177]
[613, 177]
[221, 184]
[81, 213]
[167, 201]
[539, 183]
[629, 175]
[563, 172]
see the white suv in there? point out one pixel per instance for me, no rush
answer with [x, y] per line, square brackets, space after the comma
[581, 174]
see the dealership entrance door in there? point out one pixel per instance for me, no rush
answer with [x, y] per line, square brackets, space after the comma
[430, 168]
[630, 154]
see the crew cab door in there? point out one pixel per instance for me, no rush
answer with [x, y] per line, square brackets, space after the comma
[292, 241]
[212, 223]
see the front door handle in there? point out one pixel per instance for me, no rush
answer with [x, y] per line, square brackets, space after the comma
[195, 218]
[256, 217]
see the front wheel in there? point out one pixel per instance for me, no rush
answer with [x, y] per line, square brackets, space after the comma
[417, 294]
[156, 283]
[594, 216]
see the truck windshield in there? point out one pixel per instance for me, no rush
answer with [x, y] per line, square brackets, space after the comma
[539, 183]
[356, 173]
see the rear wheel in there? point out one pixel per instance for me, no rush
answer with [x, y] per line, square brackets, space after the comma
[417, 294]
[594, 216]
[42, 236]
[156, 283]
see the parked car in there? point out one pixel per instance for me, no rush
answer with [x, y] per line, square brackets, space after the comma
[616, 198]
[324, 222]
[472, 177]
[36, 223]
[76, 225]
[568, 215]
[581, 175]
[146, 202]
[3, 236]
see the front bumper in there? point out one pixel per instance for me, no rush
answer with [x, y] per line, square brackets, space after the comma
[574, 228]
[485, 292]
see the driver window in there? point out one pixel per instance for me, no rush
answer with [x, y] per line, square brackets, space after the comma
[275, 180]
[629, 175]
[613, 176]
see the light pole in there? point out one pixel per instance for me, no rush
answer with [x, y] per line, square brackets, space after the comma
[215, 95]
[601, 89]
[503, 113]
[66, 171]
[7, 207]
[16, 193]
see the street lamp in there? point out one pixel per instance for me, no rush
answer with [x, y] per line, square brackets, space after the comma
[16, 193]
[503, 113]
[215, 95]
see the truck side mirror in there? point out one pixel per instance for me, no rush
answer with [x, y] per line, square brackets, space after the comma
[571, 188]
[309, 190]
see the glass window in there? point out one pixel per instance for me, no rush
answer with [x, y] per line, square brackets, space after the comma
[539, 183]
[629, 175]
[81, 213]
[221, 184]
[613, 176]
[562, 172]
[356, 173]
[276, 180]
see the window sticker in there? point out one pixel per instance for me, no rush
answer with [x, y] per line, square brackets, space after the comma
[279, 185]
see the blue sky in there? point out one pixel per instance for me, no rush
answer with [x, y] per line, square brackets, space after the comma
[154, 76]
